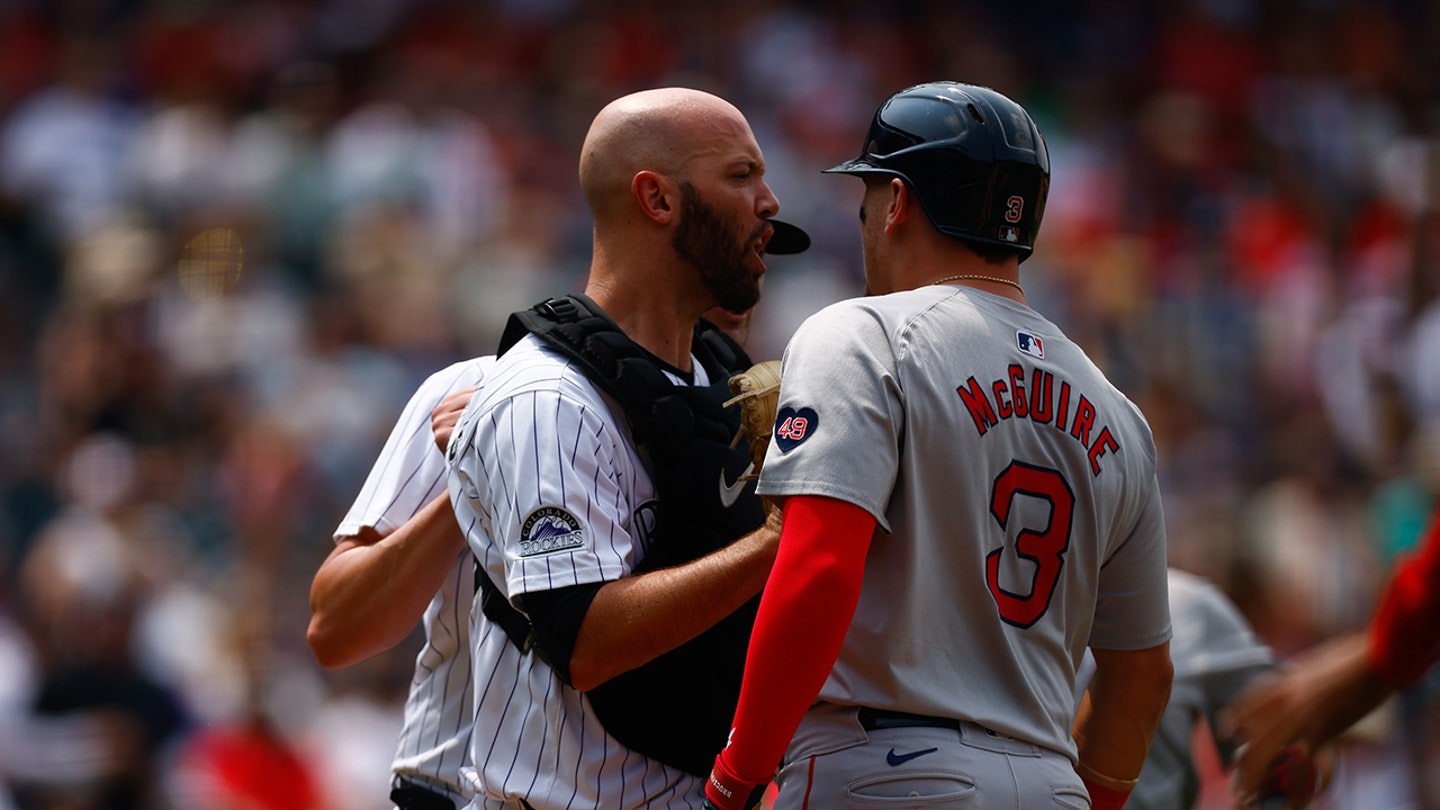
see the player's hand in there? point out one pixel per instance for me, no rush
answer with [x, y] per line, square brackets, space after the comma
[1321, 695]
[447, 414]
[726, 791]
[1292, 781]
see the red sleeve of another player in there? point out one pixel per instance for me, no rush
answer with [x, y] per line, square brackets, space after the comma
[1405, 631]
[809, 600]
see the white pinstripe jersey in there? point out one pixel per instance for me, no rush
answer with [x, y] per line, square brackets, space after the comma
[1016, 496]
[551, 492]
[410, 473]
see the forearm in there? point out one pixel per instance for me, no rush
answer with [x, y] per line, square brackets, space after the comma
[1341, 687]
[635, 619]
[800, 629]
[1119, 713]
[372, 590]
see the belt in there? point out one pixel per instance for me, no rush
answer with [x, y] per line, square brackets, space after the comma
[408, 795]
[872, 719]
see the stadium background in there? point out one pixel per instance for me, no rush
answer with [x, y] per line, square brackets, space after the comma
[1242, 229]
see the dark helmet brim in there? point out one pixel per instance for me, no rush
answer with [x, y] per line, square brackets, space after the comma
[856, 166]
[788, 239]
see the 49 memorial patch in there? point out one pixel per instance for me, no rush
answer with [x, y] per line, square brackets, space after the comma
[550, 529]
[794, 426]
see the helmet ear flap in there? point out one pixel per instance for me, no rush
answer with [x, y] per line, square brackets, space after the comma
[975, 160]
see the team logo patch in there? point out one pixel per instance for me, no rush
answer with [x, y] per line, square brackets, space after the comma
[794, 426]
[1030, 344]
[550, 529]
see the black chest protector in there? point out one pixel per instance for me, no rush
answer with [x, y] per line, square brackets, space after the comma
[677, 708]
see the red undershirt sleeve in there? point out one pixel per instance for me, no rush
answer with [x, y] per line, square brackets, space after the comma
[804, 614]
[1405, 630]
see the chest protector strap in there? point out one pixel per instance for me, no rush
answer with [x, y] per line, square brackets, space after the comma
[678, 707]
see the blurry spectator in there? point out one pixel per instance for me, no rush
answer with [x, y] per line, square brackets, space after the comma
[98, 725]
[63, 149]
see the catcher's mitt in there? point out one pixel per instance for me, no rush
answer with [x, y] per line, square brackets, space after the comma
[757, 390]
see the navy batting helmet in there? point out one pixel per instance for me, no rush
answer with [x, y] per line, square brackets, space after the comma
[974, 158]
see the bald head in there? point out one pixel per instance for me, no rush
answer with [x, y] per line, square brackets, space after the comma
[659, 130]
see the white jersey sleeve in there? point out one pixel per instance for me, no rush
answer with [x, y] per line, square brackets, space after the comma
[409, 473]
[551, 475]
[550, 492]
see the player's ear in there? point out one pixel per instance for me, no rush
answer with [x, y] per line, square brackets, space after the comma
[900, 204]
[656, 194]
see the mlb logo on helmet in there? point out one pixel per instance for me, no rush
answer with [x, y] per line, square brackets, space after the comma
[1030, 344]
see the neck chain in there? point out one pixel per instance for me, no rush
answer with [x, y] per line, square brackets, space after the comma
[995, 279]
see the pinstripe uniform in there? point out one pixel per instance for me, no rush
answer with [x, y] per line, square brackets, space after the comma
[410, 473]
[550, 491]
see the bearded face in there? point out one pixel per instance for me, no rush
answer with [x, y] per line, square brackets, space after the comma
[714, 246]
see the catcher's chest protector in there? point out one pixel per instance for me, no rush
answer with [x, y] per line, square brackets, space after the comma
[677, 708]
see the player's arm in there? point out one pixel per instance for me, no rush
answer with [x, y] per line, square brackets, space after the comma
[371, 591]
[635, 619]
[373, 588]
[803, 618]
[1333, 686]
[1117, 718]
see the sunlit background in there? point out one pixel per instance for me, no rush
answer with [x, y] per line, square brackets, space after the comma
[235, 236]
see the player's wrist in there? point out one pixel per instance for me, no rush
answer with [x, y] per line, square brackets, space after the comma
[726, 791]
[1104, 798]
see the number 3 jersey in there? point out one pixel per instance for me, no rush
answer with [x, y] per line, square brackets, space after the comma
[1016, 495]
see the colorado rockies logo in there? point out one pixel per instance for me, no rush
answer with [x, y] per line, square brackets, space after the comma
[550, 529]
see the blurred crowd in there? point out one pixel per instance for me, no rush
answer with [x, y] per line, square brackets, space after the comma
[236, 234]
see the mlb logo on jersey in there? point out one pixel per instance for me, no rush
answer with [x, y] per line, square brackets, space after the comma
[1030, 344]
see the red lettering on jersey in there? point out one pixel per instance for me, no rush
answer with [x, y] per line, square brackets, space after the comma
[1017, 389]
[1084, 420]
[1103, 442]
[1002, 405]
[1041, 387]
[1009, 397]
[1062, 410]
[793, 428]
[978, 405]
[1043, 547]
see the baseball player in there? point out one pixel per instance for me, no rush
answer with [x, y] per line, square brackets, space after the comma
[567, 468]
[1014, 491]
[404, 497]
[1335, 685]
[400, 558]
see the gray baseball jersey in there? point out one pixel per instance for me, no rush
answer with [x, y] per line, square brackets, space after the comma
[1016, 494]
[551, 492]
[1216, 654]
[409, 473]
